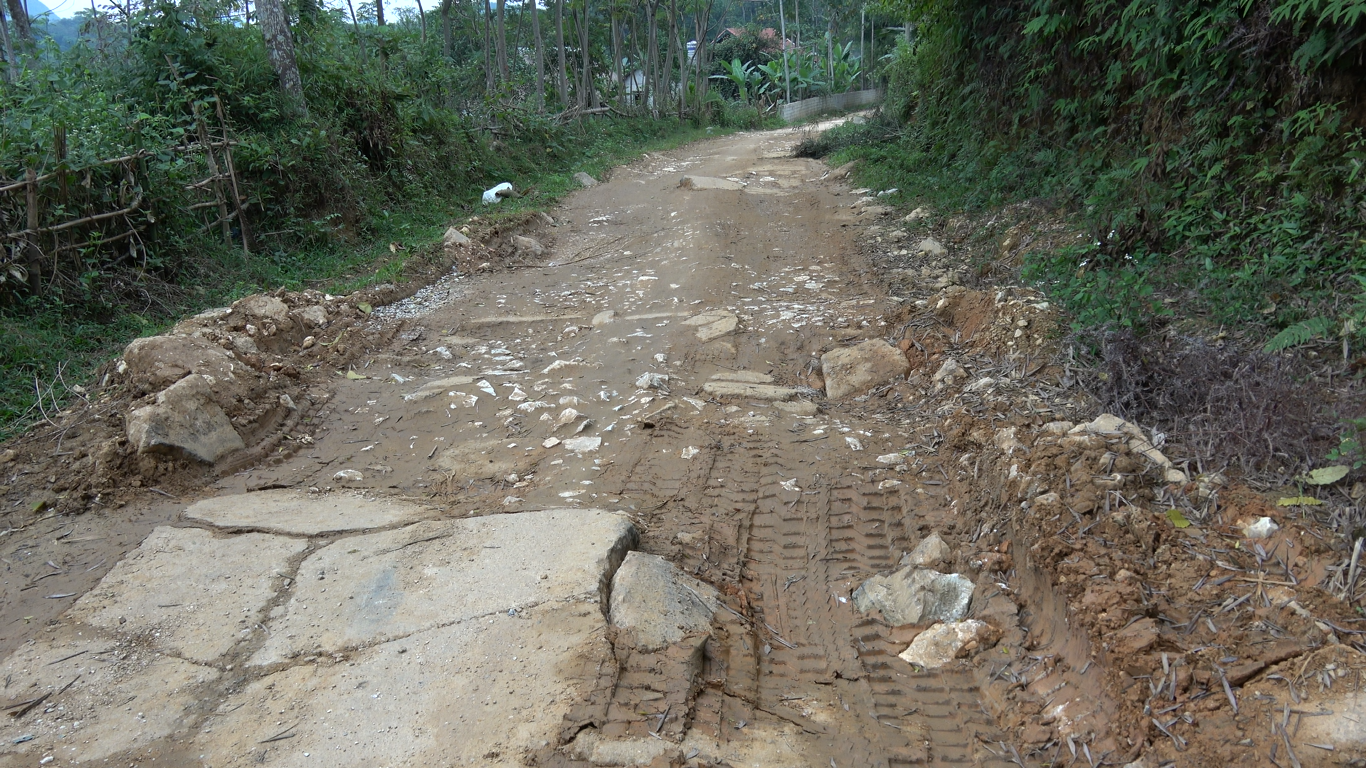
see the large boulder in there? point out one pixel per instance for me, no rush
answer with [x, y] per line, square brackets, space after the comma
[156, 362]
[659, 604]
[857, 369]
[262, 308]
[185, 421]
[916, 596]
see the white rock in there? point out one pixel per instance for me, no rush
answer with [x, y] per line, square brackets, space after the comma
[658, 381]
[942, 643]
[349, 475]
[583, 444]
[604, 317]
[1260, 528]
[454, 238]
[950, 368]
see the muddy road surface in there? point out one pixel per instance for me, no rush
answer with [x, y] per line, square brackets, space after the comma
[600, 510]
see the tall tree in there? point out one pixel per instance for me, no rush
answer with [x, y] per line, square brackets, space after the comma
[23, 31]
[586, 89]
[11, 61]
[501, 44]
[488, 49]
[562, 77]
[447, 29]
[540, 53]
[379, 13]
[280, 51]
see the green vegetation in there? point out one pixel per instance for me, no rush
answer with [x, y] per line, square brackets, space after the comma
[1213, 152]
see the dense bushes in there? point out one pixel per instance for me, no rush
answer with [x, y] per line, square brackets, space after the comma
[1211, 149]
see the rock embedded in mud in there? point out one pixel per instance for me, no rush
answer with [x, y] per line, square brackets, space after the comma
[1110, 425]
[185, 421]
[454, 238]
[857, 369]
[658, 603]
[915, 596]
[527, 247]
[928, 553]
[930, 247]
[263, 308]
[939, 645]
[700, 183]
[1135, 638]
[156, 362]
[740, 389]
[950, 370]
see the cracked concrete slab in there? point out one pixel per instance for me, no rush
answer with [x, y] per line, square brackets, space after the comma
[369, 589]
[190, 592]
[121, 697]
[487, 691]
[290, 512]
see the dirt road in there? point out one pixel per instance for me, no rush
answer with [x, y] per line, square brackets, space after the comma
[451, 564]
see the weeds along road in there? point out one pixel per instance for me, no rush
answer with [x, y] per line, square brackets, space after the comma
[397, 593]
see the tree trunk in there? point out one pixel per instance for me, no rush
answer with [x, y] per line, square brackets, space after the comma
[11, 61]
[379, 12]
[355, 24]
[500, 45]
[562, 77]
[666, 93]
[651, 84]
[586, 71]
[447, 30]
[616, 59]
[540, 56]
[23, 32]
[488, 54]
[280, 51]
[422, 20]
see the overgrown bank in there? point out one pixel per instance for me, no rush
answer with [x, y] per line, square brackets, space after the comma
[1184, 178]
[1211, 152]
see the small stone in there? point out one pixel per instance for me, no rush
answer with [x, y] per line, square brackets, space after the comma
[939, 645]
[919, 214]
[527, 246]
[928, 553]
[308, 342]
[603, 318]
[1259, 528]
[9, 455]
[951, 369]
[583, 444]
[454, 238]
[930, 247]
[584, 180]
[349, 476]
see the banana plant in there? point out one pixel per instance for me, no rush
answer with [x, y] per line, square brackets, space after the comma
[743, 75]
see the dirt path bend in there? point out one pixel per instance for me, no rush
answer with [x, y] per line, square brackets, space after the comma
[394, 594]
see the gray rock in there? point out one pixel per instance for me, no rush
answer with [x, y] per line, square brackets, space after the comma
[951, 369]
[797, 407]
[741, 389]
[584, 180]
[707, 182]
[185, 421]
[939, 645]
[857, 369]
[287, 511]
[159, 361]
[928, 553]
[658, 603]
[263, 308]
[312, 316]
[720, 327]
[749, 377]
[916, 596]
[931, 247]
[454, 238]
[527, 246]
